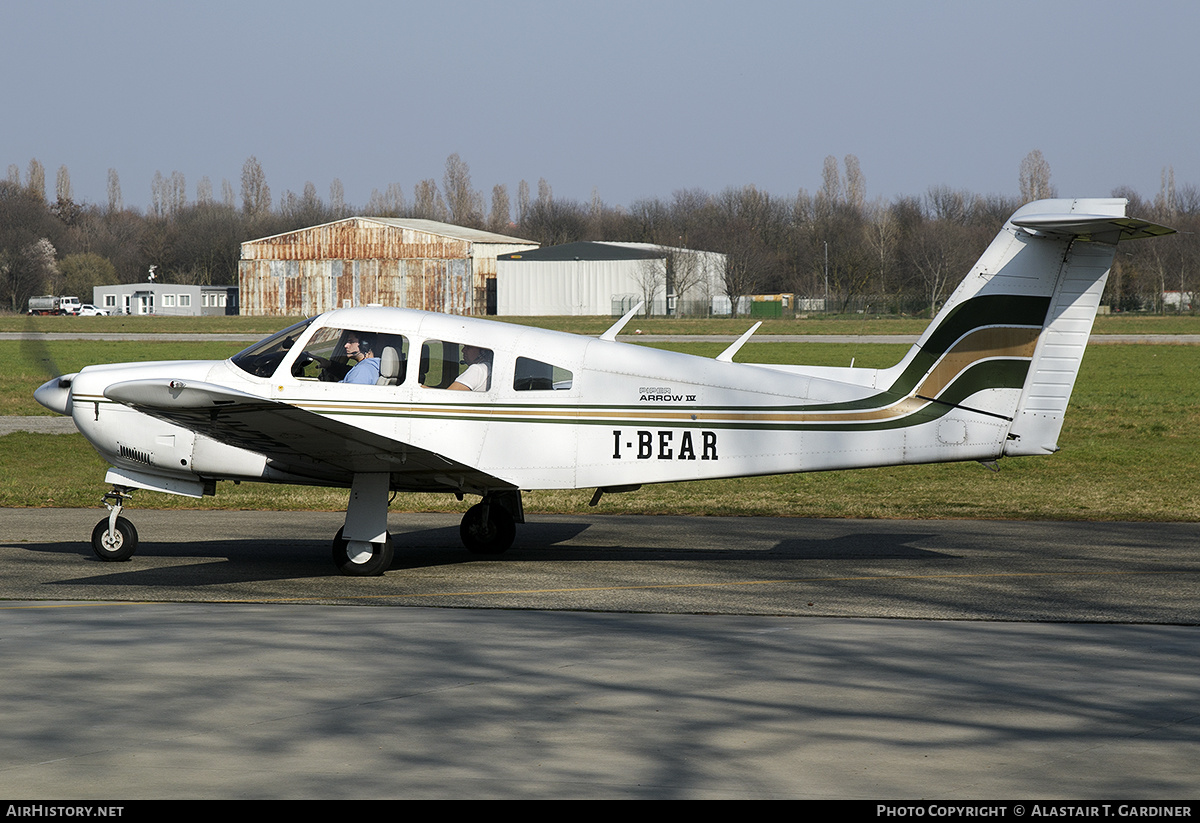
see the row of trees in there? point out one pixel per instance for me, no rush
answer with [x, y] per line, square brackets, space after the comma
[833, 247]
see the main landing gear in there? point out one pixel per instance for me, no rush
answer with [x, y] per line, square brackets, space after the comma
[366, 559]
[362, 547]
[114, 537]
[488, 527]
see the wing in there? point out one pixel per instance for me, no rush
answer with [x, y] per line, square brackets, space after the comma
[296, 441]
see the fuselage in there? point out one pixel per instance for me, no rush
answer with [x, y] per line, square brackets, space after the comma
[559, 411]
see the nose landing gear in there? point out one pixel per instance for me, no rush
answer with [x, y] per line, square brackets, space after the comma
[114, 537]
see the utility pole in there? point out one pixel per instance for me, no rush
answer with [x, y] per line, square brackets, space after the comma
[826, 242]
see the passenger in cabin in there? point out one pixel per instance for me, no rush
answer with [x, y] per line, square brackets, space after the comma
[359, 348]
[475, 376]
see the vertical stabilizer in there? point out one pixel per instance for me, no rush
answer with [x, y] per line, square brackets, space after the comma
[1091, 230]
[1009, 341]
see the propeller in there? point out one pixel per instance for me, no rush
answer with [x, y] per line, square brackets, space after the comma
[55, 393]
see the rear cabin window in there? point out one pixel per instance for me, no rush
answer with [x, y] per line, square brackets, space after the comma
[444, 363]
[534, 375]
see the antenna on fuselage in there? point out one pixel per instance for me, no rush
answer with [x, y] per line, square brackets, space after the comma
[613, 330]
[727, 355]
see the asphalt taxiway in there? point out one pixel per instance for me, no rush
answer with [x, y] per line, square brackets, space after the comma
[604, 656]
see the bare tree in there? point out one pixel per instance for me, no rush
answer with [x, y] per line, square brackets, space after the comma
[522, 201]
[941, 253]
[856, 184]
[883, 238]
[651, 222]
[651, 278]
[685, 276]
[177, 192]
[1166, 203]
[388, 204]
[555, 222]
[831, 193]
[168, 195]
[65, 208]
[395, 198]
[337, 197]
[305, 209]
[62, 184]
[115, 202]
[1187, 199]
[1035, 178]
[464, 204]
[429, 204]
[204, 192]
[745, 260]
[158, 195]
[256, 194]
[309, 201]
[36, 179]
[499, 217]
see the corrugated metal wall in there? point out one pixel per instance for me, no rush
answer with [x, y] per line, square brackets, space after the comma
[591, 287]
[307, 287]
[565, 287]
[355, 262]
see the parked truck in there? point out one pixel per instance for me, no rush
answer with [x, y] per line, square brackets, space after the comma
[49, 304]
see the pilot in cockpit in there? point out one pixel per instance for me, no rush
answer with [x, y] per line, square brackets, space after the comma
[360, 348]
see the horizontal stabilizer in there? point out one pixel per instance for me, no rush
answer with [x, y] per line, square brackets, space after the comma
[1099, 227]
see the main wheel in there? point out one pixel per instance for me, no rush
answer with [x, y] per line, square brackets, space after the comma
[120, 545]
[364, 564]
[492, 536]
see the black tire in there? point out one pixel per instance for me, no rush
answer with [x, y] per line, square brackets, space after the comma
[379, 561]
[123, 544]
[493, 536]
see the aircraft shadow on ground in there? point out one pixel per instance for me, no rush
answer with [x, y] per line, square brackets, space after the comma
[256, 559]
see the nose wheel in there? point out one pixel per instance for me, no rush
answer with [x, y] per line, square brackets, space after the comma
[114, 537]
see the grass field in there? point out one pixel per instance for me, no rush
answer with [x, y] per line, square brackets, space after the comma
[813, 324]
[1130, 451]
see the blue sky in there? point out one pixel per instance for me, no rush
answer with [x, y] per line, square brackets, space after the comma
[630, 99]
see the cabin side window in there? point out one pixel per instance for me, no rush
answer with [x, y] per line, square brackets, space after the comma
[458, 366]
[534, 375]
[336, 355]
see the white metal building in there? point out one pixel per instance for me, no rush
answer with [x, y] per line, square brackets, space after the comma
[590, 278]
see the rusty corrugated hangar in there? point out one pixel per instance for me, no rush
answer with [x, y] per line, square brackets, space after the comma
[393, 261]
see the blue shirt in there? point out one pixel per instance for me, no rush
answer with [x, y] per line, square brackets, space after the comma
[366, 372]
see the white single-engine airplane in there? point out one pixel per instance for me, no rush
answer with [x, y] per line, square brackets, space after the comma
[990, 377]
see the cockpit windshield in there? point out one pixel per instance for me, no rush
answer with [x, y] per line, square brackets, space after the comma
[264, 357]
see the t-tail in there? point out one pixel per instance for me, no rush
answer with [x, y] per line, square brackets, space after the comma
[1009, 341]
